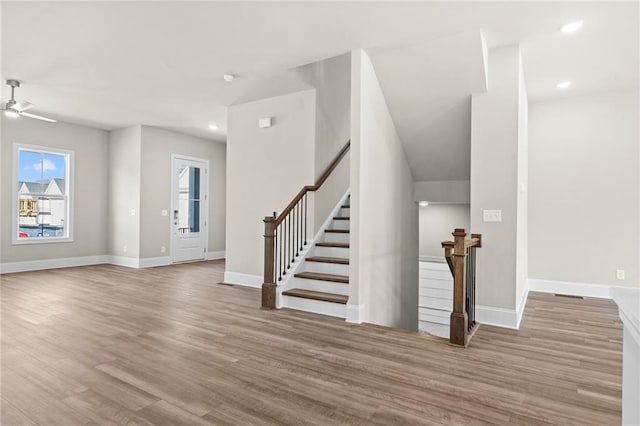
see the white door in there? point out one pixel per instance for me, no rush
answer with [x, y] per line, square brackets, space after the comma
[189, 209]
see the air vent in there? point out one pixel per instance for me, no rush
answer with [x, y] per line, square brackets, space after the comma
[569, 295]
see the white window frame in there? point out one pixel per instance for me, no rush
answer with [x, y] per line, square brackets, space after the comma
[69, 193]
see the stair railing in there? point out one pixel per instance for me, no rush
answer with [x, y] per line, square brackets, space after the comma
[285, 235]
[460, 255]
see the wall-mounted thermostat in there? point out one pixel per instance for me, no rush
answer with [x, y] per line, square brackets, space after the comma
[263, 123]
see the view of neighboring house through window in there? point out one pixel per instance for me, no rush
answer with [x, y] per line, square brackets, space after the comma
[43, 194]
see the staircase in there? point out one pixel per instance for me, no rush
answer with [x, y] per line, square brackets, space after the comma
[320, 282]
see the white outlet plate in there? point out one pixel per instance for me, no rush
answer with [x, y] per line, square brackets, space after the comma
[620, 274]
[163, 249]
[133, 212]
[492, 215]
[163, 213]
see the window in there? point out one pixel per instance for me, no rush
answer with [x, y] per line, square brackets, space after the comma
[43, 195]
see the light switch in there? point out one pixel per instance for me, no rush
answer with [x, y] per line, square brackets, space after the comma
[492, 215]
[163, 213]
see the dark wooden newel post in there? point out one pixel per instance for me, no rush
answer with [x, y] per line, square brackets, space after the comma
[268, 286]
[459, 321]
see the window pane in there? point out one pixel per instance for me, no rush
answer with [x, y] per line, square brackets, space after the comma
[42, 194]
[189, 200]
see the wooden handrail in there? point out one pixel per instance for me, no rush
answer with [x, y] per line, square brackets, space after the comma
[283, 241]
[456, 253]
[323, 177]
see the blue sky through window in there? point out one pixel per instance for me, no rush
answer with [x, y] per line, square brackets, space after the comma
[38, 166]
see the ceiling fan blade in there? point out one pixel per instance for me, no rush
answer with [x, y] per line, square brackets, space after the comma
[38, 117]
[22, 106]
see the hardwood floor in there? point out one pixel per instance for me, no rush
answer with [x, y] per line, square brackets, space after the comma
[170, 346]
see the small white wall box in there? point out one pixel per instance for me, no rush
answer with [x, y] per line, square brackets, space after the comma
[263, 123]
[492, 215]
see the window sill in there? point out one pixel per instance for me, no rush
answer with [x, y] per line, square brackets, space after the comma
[36, 240]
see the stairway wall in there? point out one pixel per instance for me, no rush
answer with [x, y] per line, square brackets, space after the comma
[265, 169]
[384, 216]
[332, 80]
[498, 181]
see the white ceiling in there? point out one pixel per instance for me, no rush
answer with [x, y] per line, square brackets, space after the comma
[115, 64]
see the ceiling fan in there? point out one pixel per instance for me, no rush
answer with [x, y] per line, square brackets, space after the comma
[16, 109]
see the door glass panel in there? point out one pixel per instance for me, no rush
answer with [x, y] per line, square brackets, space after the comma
[188, 199]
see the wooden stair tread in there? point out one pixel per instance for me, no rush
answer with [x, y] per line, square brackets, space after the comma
[323, 259]
[340, 245]
[341, 218]
[323, 277]
[317, 295]
[337, 231]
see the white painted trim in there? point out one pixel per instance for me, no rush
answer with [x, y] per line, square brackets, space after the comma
[129, 262]
[355, 313]
[36, 265]
[243, 279]
[432, 259]
[574, 289]
[69, 172]
[522, 304]
[151, 262]
[214, 255]
[499, 317]
[204, 190]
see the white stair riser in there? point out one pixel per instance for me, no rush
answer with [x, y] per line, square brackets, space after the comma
[330, 237]
[331, 252]
[344, 212]
[339, 224]
[326, 268]
[323, 286]
[317, 306]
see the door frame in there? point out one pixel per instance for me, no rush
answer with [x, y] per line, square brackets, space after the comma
[205, 207]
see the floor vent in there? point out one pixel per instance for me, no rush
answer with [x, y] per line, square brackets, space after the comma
[569, 295]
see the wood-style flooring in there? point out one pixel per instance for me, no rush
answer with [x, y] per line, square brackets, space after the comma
[105, 345]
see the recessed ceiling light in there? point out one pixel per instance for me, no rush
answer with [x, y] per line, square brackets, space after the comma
[571, 27]
[213, 127]
[423, 203]
[563, 85]
[228, 77]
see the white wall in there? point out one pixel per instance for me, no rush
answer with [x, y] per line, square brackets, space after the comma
[443, 191]
[265, 169]
[124, 191]
[384, 216]
[495, 146]
[155, 195]
[436, 223]
[89, 193]
[583, 168]
[332, 80]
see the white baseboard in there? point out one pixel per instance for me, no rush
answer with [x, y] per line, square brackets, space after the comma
[151, 262]
[129, 262]
[214, 255]
[499, 317]
[602, 291]
[355, 313]
[243, 279]
[36, 265]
